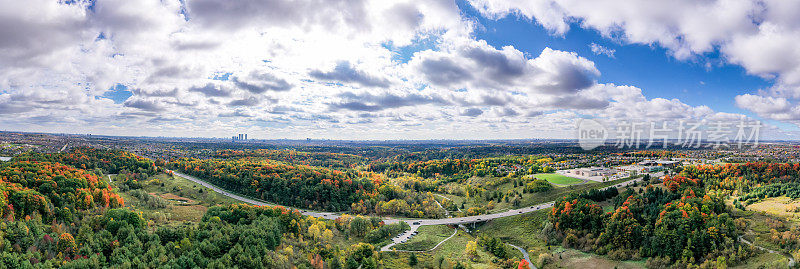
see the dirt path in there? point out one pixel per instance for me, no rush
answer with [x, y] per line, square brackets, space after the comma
[445, 197]
[446, 212]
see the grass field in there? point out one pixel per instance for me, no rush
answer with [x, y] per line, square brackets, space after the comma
[528, 199]
[187, 201]
[570, 258]
[765, 260]
[558, 179]
[450, 252]
[521, 230]
[777, 206]
[427, 238]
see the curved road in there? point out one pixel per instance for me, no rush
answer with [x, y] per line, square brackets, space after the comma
[508, 213]
[791, 259]
[524, 254]
[325, 215]
[414, 223]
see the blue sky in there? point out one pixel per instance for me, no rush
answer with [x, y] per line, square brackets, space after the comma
[119, 93]
[650, 68]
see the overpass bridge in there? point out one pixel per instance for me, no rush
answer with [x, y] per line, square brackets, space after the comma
[413, 223]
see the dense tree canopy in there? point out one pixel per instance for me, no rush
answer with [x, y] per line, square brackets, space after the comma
[322, 159]
[108, 160]
[681, 222]
[464, 168]
[51, 190]
[739, 178]
[311, 187]
[233, 236]
[282, 183]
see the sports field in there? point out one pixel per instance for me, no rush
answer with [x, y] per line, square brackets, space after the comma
[559, 179]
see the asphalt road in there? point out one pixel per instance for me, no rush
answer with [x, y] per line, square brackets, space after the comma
[508, 213]
[414, 223]
[524, 254]
[325, 215]
[791, 259]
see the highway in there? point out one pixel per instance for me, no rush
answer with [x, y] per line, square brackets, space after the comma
[325, 215]
[508, 213]
[414, 223]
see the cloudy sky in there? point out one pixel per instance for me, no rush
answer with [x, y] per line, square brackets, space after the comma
[361, 69]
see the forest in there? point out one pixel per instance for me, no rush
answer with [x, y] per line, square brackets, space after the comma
[791, 190]
[311, 187]
[679, 224]
[321, 159]
[465, 168]
[60, 210]
[282, 183]
[51, 191]
[228, 236]
[58, 215]
[738, 179]
[106, 160]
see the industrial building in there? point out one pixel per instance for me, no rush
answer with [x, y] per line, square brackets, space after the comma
[593, 172]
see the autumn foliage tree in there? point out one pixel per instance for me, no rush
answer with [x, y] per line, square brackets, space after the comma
[46, 188]
[682, 222]
[286, 184]
[110, 161]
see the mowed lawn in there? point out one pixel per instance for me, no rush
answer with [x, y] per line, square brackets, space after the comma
[558, 179]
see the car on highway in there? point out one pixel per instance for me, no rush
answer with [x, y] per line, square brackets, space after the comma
[415, 223]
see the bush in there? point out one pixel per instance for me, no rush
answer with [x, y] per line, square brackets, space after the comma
[150, 201]
[599, 196]
[658, 263]
[538, 185]
[385, 232]
[544, 259]
[619, 254]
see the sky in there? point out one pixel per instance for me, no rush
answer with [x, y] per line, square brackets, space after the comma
[362, 69]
